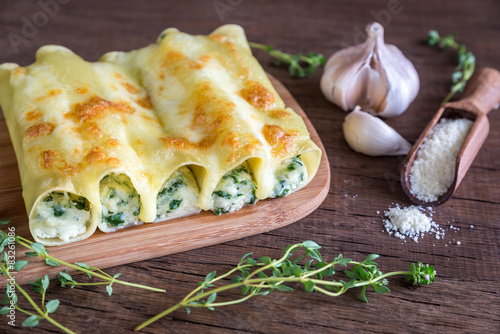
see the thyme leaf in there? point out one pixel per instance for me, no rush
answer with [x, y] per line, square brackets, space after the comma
[299, 65]
[466, 61]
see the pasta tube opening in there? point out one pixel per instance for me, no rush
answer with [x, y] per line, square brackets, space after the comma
[290, 176]
[178, 196]
[61, 215]
[234, 190]
[120, 203]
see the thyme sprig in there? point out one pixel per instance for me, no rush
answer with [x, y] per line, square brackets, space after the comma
[9, 266]
[39, 250]
[264, 275]
[299, 65]
[40, 313]
[466, 61]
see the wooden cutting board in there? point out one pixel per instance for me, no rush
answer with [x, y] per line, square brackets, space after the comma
[147, 241]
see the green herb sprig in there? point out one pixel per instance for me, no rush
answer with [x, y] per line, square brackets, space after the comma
[8, 265]
[466, 61]
[299, 65]
[264, 275]
[11, 297]
[39, 250]
[40, 313]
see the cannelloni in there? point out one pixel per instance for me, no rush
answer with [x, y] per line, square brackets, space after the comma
[189, 123]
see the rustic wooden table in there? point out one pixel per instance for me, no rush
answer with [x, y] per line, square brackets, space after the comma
[465, 297]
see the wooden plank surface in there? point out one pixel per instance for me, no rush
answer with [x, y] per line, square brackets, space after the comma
[178, 235]
[466, 296]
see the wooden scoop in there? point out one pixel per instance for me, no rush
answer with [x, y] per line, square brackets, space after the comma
[481, 95]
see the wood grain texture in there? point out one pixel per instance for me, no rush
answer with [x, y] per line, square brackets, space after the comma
[147, 241]
[465, 297]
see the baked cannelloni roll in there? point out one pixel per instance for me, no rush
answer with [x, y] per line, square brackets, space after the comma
[189, 123]
[89, 148]
[214, 99]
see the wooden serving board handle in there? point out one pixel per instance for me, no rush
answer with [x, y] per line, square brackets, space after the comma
[482, 92]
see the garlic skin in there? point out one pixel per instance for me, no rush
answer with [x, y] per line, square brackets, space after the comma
[374, 75]
[369, 135]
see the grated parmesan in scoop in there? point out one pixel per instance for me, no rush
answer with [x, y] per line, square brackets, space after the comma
[433, 171]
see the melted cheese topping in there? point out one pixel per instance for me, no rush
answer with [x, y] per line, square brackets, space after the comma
[61, 215]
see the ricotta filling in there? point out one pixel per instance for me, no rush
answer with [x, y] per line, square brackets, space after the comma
[234, 190]
[120, 202]
[290, 176]
[61, 215]
[178, 196]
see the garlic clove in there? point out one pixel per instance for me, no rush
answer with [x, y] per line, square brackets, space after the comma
[374, 75]
[369, 135]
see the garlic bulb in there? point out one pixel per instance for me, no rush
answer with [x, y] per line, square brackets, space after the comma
[369, 135]
[374, 75]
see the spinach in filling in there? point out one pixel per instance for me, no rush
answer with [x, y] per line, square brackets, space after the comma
[178, 196]
[120, 201]
[235, 189]
[167, 199]
[290, 176]
[61, 215]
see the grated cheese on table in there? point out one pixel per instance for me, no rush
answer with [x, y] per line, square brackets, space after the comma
[433, 170]
[410, 222]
